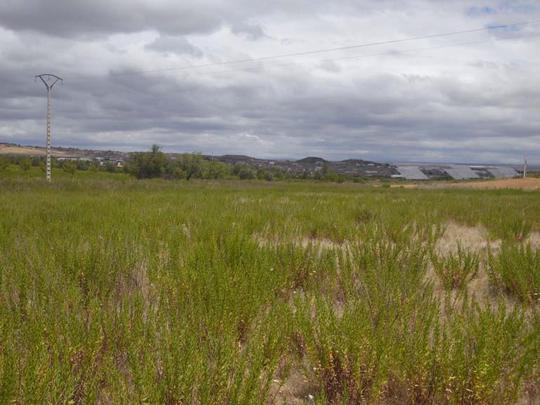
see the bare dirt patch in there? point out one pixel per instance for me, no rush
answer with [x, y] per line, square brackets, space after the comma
[318, 244]
[295, 389]
[474, 239]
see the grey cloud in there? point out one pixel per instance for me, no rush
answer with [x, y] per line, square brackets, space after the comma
[248, 30]
[93, 17]
[88, 18]
[175, 45]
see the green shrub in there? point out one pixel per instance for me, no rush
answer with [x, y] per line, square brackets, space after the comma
[516, 271]
[4, 163]
[25, 164]
[455, 270]
[144, 165]
[69, 167]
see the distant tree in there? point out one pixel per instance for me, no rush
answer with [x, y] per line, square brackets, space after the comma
[264, 174]
[215, 170]
[82, 164]
[279, 174]
[145, 165]
[110, 167]
[93, 167]
[69, 167]
[25, 164]
[4, 163]
[191, 164]
[328, 173]
[178, 173]
[244, 172]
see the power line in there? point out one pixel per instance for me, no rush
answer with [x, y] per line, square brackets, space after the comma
[356, 57]
[327, 50]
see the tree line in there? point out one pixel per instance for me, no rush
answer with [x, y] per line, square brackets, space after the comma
[156, 164]
[25, 163]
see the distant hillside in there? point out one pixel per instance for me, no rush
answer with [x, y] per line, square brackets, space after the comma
[313, 164]
[311, 160]
[22, 150]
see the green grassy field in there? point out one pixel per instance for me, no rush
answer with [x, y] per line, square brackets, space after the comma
[121, 291]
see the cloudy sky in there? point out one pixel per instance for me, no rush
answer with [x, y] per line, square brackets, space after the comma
[139, 72]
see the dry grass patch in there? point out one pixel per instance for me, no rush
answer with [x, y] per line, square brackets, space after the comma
[534, 240]
[529, 183]
[317, 244]
[28, 151]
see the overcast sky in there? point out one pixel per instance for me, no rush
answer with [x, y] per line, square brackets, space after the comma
[133, 77]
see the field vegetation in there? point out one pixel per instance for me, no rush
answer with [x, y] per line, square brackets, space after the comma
[116, 290]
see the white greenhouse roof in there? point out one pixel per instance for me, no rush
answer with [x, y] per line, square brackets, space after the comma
[461, 172]
[411, 173]
[502, 171]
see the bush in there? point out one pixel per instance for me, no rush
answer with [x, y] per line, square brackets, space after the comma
[4, 163]
[456, 269]
[191, 165]
[36, 161]
[263, 174]
[243, 171]
[82, 164]
[145, 165]
[215, 170]
[516, 271]
[69, 167]
[110, 167]
[25, 164]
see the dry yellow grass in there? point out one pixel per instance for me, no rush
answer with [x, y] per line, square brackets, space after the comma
[529, 183]
[522, 184]
[26, 150]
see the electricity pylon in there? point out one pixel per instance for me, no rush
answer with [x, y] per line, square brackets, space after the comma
[49, 80]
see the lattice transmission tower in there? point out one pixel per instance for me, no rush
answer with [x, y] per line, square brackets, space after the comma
[49, 80]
